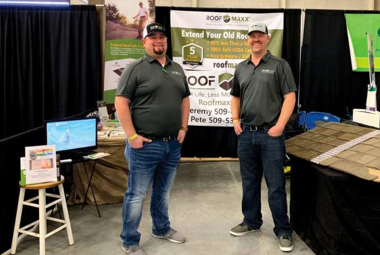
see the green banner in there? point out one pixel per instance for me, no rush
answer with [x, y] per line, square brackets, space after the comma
[122, 49]
[219, 44]
[358, 26]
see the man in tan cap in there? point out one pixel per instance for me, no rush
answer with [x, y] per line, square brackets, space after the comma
[263, 98]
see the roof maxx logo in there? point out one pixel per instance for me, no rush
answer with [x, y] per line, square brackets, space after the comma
[225, 81]
[240, 19]
[226, 18]
[156, 27]
[214, 17]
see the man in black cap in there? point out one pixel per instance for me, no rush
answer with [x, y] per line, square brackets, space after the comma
[153, 107]
[263, 98]
[143, 14]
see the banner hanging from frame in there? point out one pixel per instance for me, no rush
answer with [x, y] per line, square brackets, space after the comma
[209, 46]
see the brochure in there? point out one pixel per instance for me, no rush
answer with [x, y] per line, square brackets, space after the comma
[103, 112]
[41, 164]
[97, 155]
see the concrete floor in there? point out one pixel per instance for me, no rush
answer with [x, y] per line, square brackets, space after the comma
[205, 204]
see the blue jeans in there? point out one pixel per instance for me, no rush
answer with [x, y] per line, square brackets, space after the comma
[155, 163]
[261, 154]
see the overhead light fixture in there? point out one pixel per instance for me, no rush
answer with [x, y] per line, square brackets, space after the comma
[36, 2]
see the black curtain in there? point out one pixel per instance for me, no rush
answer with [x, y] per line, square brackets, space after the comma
[50, 68]
[222, 141]
[328, 83]
[11, 150]
[49, 65]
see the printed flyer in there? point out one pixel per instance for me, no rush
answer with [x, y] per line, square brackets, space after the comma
[41, 164]
[209, 46]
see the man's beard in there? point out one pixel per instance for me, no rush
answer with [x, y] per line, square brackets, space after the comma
[158, 52]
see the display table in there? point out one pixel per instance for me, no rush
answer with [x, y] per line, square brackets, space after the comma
[347, 148]
[109, 181]
[335, 189]
[334, 212]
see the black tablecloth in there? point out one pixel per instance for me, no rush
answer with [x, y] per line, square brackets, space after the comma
[335, 213]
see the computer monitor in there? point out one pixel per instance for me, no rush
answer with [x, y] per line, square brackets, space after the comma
[72, 135]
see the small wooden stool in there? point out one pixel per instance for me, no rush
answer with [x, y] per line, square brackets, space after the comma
[41, 187]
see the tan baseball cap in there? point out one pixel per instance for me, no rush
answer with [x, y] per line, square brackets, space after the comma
[257, 27]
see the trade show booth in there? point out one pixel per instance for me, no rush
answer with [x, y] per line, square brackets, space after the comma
[51, 69]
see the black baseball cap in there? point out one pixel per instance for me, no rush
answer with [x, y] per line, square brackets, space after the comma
[154, 27]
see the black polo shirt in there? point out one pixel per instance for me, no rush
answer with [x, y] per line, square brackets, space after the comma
[262, 88]
[156, 95]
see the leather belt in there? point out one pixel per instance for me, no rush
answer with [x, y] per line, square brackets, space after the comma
[257, 128]
[161, 138]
